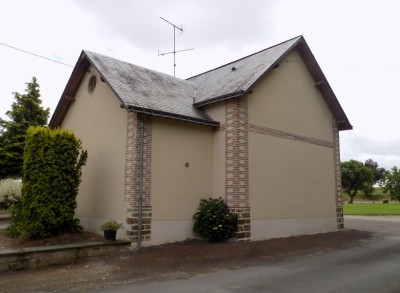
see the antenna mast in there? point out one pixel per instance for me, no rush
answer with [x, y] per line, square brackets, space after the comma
[174, 51]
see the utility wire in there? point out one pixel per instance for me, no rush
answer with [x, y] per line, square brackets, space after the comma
[36, 55]
[346, 65]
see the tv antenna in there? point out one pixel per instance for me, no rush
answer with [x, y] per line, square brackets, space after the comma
[174, 51]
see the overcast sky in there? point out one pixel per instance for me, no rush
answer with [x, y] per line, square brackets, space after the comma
[356, 43]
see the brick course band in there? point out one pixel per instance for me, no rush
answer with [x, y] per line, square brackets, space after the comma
[288, 135]
[130, 155]
[237, 164]
[338, 178]
[236, 153]
[132, 223]
[243, 232]
[132, 169]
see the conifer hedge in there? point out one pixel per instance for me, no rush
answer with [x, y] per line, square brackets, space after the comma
[53, 161]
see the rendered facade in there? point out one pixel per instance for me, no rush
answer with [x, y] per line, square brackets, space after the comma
[261, 132]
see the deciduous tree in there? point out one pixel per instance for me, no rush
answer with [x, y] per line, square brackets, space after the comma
[393, 183]
[379, 175]
[354, 175]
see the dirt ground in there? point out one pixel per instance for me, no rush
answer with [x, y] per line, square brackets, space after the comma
[176, 260]
[7, 242]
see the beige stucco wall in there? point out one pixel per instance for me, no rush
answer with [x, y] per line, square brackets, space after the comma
[217, 112]
[276, 228]
[98, 120]
[288, 100]
[290, 179]
[176, 190]
[218, 169]
[292, 183]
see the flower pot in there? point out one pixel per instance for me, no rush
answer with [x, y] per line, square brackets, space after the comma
[110, 234]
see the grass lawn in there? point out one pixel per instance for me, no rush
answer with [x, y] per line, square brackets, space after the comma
[371, 209]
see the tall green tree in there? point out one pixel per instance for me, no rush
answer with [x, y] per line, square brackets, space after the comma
[379, 176]
[354, 175]
[25, 111]
[392, 184]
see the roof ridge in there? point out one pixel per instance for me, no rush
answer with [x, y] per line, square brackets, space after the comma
[152, 92]
[164, 95]
[132, 64]
[255, 53]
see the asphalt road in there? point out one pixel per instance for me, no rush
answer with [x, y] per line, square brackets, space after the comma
[371, 267]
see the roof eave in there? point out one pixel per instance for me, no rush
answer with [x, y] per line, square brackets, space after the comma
[171, 115]
[249, 87]
[344, 125]
[69, 92]
[323, 85]
[316, 72]
[341, 119]
[221, 98]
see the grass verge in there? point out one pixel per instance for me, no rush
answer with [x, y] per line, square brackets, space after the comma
[371, 209]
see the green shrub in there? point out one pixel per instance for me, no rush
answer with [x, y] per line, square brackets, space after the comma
[385, 201]
[53, 160]
[15, 229]
[111, 225]
[10, 200]
[214, 221]
[10, 192]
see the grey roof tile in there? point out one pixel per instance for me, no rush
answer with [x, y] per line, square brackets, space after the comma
[144, 90]
[147, 89]
[223, 80]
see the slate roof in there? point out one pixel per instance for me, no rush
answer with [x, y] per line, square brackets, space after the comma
[147, 91]
[237, 77]
[142, 88]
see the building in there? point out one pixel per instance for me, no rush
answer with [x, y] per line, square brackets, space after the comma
[262, 132]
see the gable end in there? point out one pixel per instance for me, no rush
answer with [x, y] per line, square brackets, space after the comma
[68, 96]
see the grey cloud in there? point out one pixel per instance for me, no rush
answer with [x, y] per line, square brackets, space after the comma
[359, 147]
[206, 22]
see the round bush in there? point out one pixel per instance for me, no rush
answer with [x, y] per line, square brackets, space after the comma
[214, 221]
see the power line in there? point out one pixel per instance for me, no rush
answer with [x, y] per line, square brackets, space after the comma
[36, 55]
[347, 64]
